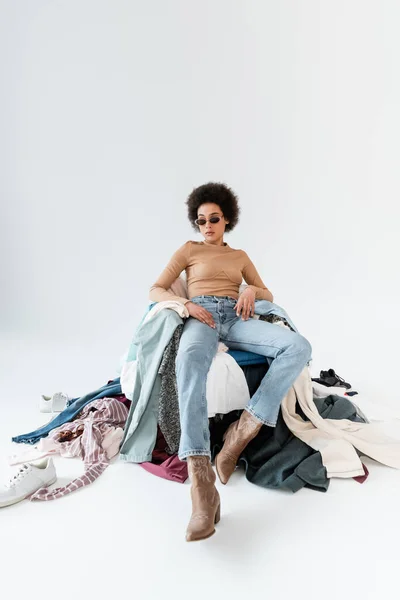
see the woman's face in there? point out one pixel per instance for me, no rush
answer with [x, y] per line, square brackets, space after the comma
[213, 233]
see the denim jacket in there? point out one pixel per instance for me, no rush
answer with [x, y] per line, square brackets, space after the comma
[150, 340]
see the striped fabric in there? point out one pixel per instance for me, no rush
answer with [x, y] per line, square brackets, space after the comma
[83, 437]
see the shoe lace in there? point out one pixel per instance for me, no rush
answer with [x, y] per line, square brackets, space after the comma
[20, 474]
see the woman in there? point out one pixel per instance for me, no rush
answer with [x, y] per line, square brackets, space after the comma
[214, 273]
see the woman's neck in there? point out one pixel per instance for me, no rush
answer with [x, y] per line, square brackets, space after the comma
[216, 243]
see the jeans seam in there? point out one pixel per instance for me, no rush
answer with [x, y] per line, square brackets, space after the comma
[189, 453]
[204, 405]
[267, 345]
[196, 450]
[254, 344]
[264, 421]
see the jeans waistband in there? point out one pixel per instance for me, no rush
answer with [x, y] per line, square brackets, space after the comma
[213, 298]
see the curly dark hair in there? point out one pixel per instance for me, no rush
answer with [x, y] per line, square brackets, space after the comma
[217, 193]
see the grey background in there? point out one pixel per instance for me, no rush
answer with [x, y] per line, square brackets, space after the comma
[111, 112]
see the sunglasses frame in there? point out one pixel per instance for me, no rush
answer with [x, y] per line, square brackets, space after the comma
[212, 220]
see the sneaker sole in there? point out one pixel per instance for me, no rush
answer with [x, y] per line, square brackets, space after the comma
[16, 500]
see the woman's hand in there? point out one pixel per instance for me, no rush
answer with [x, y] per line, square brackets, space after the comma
[245, 304]
[200, 313]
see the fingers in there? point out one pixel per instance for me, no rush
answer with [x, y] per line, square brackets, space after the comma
[246, 307]
[202, 315]
[246, 310]
[207, 318]
[242, 307]
[239, 306]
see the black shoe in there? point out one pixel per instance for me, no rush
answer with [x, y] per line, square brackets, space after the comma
[331, 379]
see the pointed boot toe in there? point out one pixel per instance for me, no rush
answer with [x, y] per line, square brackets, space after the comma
[225, 464]
[236, 438]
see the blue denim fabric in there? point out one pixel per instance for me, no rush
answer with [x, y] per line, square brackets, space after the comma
[264, 307]
[73, 409]
[247, 358]
[289, 350]
[132, 352]
[151, 339]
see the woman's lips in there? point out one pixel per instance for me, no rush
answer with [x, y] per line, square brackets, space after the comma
[209, 233]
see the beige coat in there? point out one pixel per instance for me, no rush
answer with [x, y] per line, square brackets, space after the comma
[337, 440]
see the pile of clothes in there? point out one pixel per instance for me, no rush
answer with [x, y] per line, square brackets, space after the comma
[321, 433]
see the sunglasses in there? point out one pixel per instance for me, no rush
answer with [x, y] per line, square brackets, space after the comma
[202, 222]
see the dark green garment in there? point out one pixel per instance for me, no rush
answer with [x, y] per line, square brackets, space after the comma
[276, 458]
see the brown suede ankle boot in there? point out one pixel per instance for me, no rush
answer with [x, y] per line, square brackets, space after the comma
[205, 499]
[236, 438]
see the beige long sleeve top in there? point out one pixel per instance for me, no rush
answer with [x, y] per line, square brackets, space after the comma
[210, 270]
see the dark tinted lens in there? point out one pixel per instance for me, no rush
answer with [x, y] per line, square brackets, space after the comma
[200, 221]
[214, 219]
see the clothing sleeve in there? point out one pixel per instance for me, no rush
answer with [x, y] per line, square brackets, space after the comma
[254, 281]
[178, 263]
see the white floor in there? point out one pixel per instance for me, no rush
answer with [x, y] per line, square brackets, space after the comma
[124, 535]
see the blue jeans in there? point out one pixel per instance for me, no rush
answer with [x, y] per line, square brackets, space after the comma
[290, 352]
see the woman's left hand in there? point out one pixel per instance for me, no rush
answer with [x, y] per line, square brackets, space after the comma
[245, 304]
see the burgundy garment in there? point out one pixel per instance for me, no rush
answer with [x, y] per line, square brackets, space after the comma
[165, 465]
[362, 478]
[123, 399]
[160, 449]
[173, 469]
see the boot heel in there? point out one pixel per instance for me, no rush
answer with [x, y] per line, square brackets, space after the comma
[218, 514]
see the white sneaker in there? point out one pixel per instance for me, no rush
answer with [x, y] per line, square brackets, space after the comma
[28, 479]
[55, 403]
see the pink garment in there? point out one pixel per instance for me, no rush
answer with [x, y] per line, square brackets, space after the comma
[173, 468]
[94, 435]
[49, 447]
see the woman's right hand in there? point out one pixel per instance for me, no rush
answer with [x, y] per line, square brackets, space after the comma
[200, 313]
